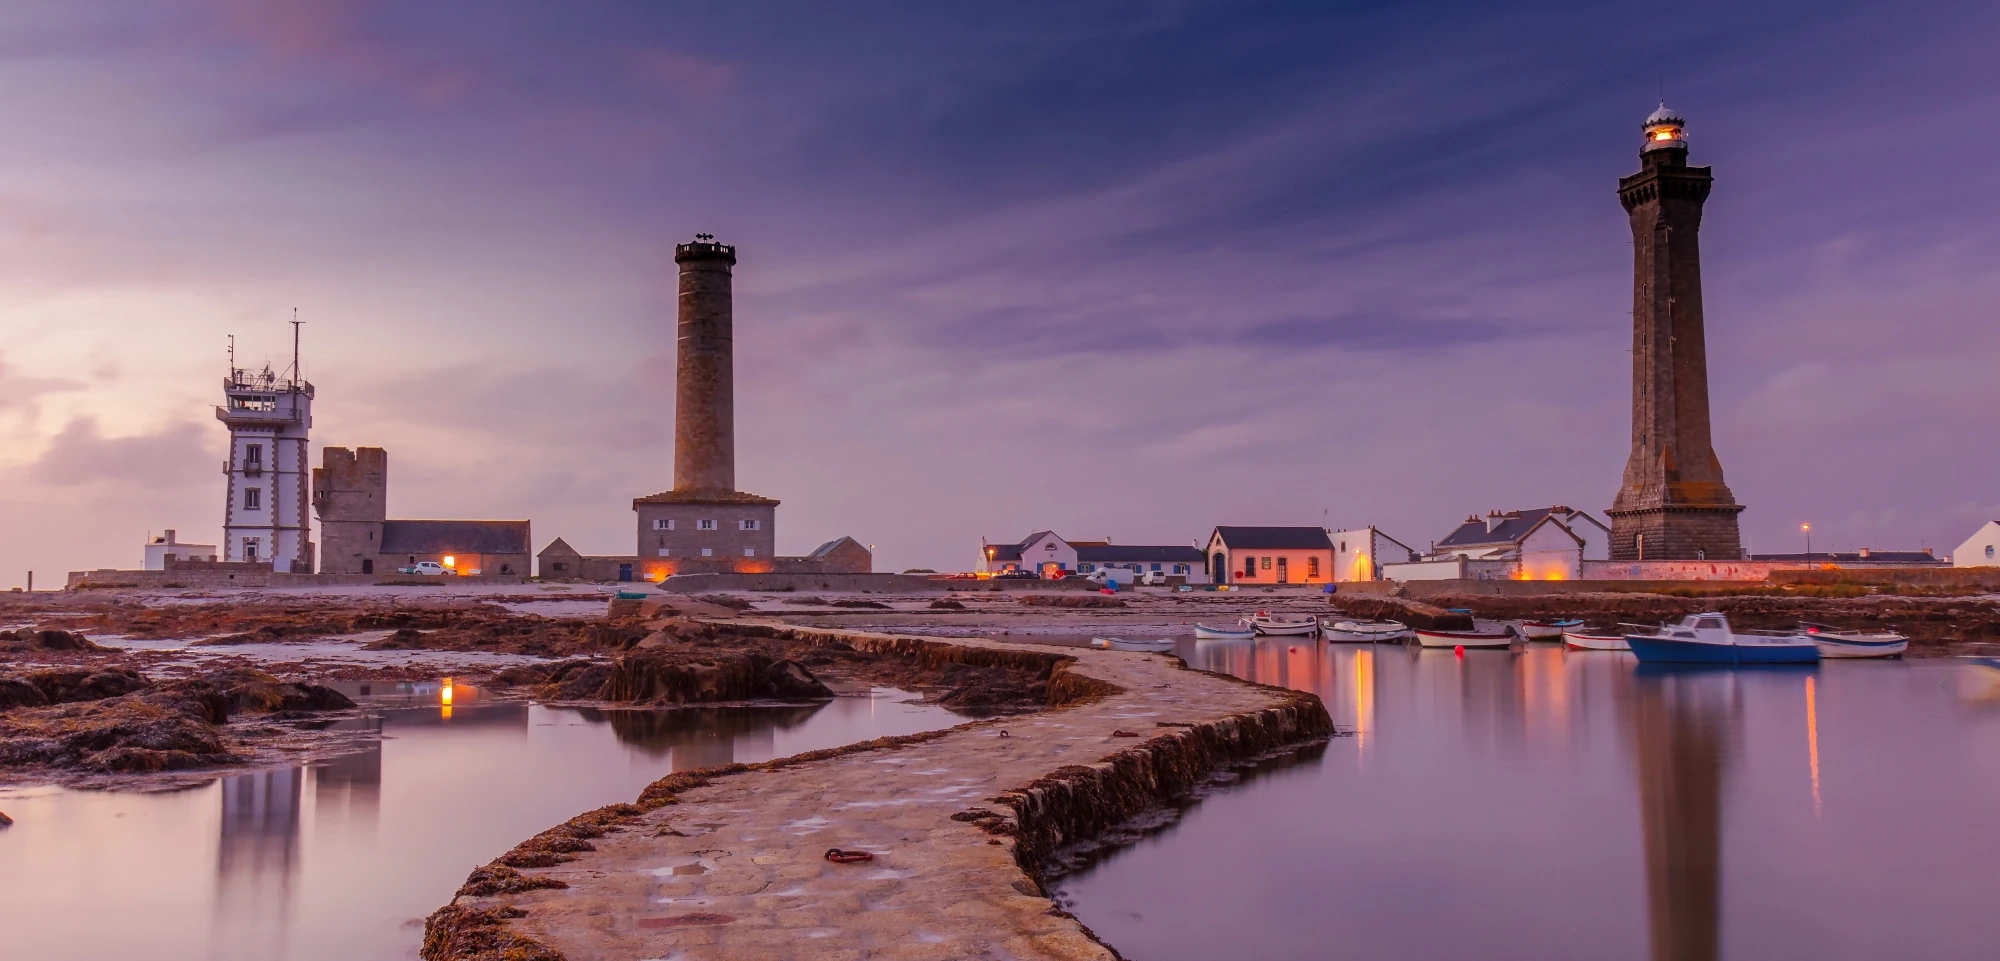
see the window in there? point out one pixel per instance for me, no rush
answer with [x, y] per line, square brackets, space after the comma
[664, 552]
[250, 545]
[1087, 568]
[253, 455]
[1989, 550]
[704, 525]
[559, 565]
[1156, 567]
[749, 552]
[1708, 623]
[1266, 563]
[252, 497]
[1312, 567]
[1180, 568]
[707, 551]
[746, 524]
[663, 524]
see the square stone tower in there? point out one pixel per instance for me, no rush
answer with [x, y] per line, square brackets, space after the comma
[1673, 504]
[350, 493]
[704, 523]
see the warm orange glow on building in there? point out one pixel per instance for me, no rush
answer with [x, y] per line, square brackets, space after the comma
[450, 561]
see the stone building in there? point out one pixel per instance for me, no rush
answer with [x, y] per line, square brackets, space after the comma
[1673, 504]
[350, 493]
[264, 518]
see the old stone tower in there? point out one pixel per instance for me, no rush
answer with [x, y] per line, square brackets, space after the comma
[351, 497]
[1673, 505]
[705, 523]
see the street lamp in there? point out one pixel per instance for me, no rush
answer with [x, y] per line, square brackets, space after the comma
[1807, 528]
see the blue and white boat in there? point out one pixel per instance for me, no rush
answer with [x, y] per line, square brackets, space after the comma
[1707, 639]
[1203, 632]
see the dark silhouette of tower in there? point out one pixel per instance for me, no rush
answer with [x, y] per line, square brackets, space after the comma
[705, 389]
[1673, 505]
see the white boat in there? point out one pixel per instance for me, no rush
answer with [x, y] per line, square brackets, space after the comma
[1547, 630]
[1127, 644]
[1203, 632]
[1579, 640]
[1475, 638]
[1282, 625]
[1834, 642]
[1364, 632]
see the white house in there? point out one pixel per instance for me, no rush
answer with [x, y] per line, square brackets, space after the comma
[1546, 544]
[160, 548]
[1048, 554]
[1358, 555]
[1982, 549]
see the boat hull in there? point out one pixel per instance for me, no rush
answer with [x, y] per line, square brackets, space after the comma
[1286, 630]
[1126, 644]
[1842, 647]
[1673, 650]
[1595, 642]
[1463, 639]
[1202, 633]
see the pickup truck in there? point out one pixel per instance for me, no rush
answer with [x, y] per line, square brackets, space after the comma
[425, 567]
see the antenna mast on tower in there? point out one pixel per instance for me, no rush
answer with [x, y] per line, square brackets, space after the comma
[297, 374]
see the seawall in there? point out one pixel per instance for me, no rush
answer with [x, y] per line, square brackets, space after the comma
[728, 862]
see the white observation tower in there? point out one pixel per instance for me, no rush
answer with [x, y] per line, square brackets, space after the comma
[268, 415]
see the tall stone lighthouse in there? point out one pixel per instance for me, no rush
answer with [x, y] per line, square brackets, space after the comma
[269, 417]
[1674, 504]
[704, 524]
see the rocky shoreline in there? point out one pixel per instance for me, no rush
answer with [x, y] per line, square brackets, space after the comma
[958, 826]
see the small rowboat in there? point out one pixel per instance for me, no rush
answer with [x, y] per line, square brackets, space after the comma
[1125, 644]
[1364, 632]
[1203, 632]
[1429, 638]
[1547, 630]
[1579, 641]
[1280, 625]
[1834, 642]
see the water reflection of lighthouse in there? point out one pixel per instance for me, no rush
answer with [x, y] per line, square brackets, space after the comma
[1683, 725]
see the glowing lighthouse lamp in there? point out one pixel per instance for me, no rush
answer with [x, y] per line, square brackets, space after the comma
[1665, 129]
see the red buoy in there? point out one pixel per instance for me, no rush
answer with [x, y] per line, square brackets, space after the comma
[1458, 650]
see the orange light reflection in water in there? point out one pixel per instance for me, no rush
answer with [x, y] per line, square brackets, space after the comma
[1812, 740]
[1364, 700]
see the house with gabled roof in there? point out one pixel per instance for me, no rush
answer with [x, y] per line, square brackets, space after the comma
[1270, 555]
[1051, 555]
[1544, 544]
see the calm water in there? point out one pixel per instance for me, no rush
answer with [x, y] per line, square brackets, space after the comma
[342, 859]
[1543, 804]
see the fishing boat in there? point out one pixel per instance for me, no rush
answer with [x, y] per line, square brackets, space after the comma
[1834, 642]
[1475, 638]
[1128, 644]
[1707, 639]
[1203, 632]
[1579, 640]
[1363, 632]
[1279, 624]
[1546, 629]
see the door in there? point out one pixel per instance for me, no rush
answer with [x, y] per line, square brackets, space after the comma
[367, 566]
[624, 572]
[1219, 573]
[1282, 579]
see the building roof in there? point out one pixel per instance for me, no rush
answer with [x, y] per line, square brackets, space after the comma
[1111, 553]
[702, 497]
[1275, 538]
[463, 537]
[559, 548]
[832, 545]
[1513, 526]
[1003, 552]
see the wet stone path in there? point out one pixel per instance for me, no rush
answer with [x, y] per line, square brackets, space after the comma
[737, 869]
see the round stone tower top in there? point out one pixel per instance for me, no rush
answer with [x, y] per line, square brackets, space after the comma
[1665, 129]
[704, 247]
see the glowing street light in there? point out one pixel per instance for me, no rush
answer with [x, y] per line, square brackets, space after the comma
[1807, 528]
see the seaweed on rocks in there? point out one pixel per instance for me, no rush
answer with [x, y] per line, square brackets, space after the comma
[479, 934]
[492, 880]
[660, 676]
[1069, 600]
[165, 727]
[30, 639]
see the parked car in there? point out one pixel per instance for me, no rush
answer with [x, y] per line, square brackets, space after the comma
[1154, 578]
[426, 567]
[1016, 576]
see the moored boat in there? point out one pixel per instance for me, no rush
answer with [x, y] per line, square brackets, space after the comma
[1363, 632]
[1282, 625]
[1203, 632]
[1707, 639]
[1431, 638]
[1834, 642]
[1547, 629]
[1127, 644]
[1580, 640]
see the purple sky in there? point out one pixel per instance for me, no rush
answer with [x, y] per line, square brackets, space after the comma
[1114, 269]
